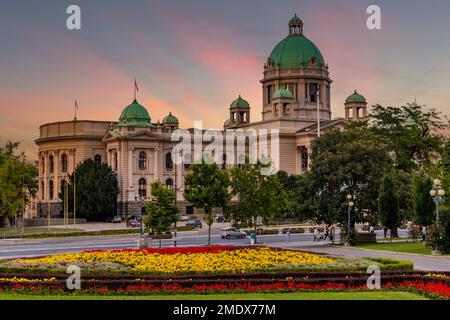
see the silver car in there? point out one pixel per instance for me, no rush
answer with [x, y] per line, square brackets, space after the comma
[228, 233]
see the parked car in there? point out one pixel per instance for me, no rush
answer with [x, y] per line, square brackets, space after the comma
[194, 223]
[228, 233]
[114, 219]
[184, 217]
[220, 218]
[133, 223]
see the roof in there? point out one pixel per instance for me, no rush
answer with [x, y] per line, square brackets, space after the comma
[295, 18]
[135, 115]
[170, 118]
[355, 97]
[240, 103]
[283, 93]
[312, 129]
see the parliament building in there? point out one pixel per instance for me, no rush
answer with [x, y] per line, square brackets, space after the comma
[295, 93]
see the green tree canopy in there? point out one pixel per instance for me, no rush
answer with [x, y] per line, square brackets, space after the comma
[258, 195]
[162, 210]
[18, 181]
[207, 188]
[388, 204]
[423, 205]
[349, 162]
[409, 132]
[96, 190]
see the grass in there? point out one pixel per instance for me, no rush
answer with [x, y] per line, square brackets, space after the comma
[371, 295]
[405, 247]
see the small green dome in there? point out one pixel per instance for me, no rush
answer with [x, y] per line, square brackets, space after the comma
[355, 97]
[170, 118]
[295, 51]
[283, 93]
[295, 18]
[239, 103]
[135, 115]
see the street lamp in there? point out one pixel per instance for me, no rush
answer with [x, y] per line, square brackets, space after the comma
[437, 193]
[350, 205]
[142, 199]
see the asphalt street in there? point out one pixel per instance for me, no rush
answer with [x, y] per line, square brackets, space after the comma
[41, 247]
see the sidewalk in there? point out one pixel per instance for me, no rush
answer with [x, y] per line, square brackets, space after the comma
[421, 262]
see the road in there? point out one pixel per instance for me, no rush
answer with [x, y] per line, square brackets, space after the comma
[41, 247]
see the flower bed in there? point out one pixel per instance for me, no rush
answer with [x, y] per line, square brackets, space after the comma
[183, 260]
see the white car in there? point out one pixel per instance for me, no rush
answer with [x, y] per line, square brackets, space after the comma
[228, 233]
[184, 217]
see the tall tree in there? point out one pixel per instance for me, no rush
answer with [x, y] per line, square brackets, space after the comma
[349, 162]
[423, 206]
[96, 190]
[18, 181]
[207, 188]
[409, 130]
[162, 210]
[388, 204]
[258, 195]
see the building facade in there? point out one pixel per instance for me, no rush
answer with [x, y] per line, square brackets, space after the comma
[296, 89]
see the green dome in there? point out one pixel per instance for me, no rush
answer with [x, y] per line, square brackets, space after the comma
[239, 103]
[170, 118]
[355, 97]
[135, 115]
[283, 93]
[295, 51]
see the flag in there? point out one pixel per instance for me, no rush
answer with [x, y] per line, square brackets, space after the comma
[135, 85]
[76, 104]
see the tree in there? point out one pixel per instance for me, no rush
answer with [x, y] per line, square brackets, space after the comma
[162, 210]
[348, 162]
[18, 181]
[258, 196]
[207, 188]
[96, 189]
[409, 132]
[388, 204]
[423, 206]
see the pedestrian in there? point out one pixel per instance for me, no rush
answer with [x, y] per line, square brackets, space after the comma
[424, 233]
[288, 235]
[385, 232]
[326, 233]
[331, 234]
[372, 229]
[316, 234]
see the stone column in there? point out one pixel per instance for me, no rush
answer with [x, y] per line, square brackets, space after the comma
[56, 174]
[155, 164]
[130, 175]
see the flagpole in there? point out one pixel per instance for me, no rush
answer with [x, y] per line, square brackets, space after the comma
[75, 108]
[318, 113]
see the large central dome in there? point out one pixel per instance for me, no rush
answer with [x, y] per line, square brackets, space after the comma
[295, 51]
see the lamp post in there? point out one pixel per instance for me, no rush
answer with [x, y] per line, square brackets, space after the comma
[350, 205]
[437, 193]
[141, 198]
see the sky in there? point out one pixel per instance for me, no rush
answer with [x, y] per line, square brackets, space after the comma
[194, 57]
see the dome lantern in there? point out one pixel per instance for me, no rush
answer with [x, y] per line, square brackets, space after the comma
[295, 25]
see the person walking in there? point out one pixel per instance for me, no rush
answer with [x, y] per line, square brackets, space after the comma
[326, 233]
[288, 235]
[316, 234]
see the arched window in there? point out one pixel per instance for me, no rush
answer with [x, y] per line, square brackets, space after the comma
[98, 160]
[142, 160]
[63, 186]
[115, 161]
[169, 162]
[51, 189]
[169, 183]
[224, 161]
[51, 164]
[64, 163]
[187, 160]
[42, 190]
[43, 165]
[142, 187]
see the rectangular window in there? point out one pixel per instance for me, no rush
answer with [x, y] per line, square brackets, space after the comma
[269, 94]
[313, 87]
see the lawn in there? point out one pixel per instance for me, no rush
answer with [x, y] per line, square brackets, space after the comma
[371, 295]
[406, 247]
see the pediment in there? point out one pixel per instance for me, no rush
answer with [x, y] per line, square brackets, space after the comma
[144, 134]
